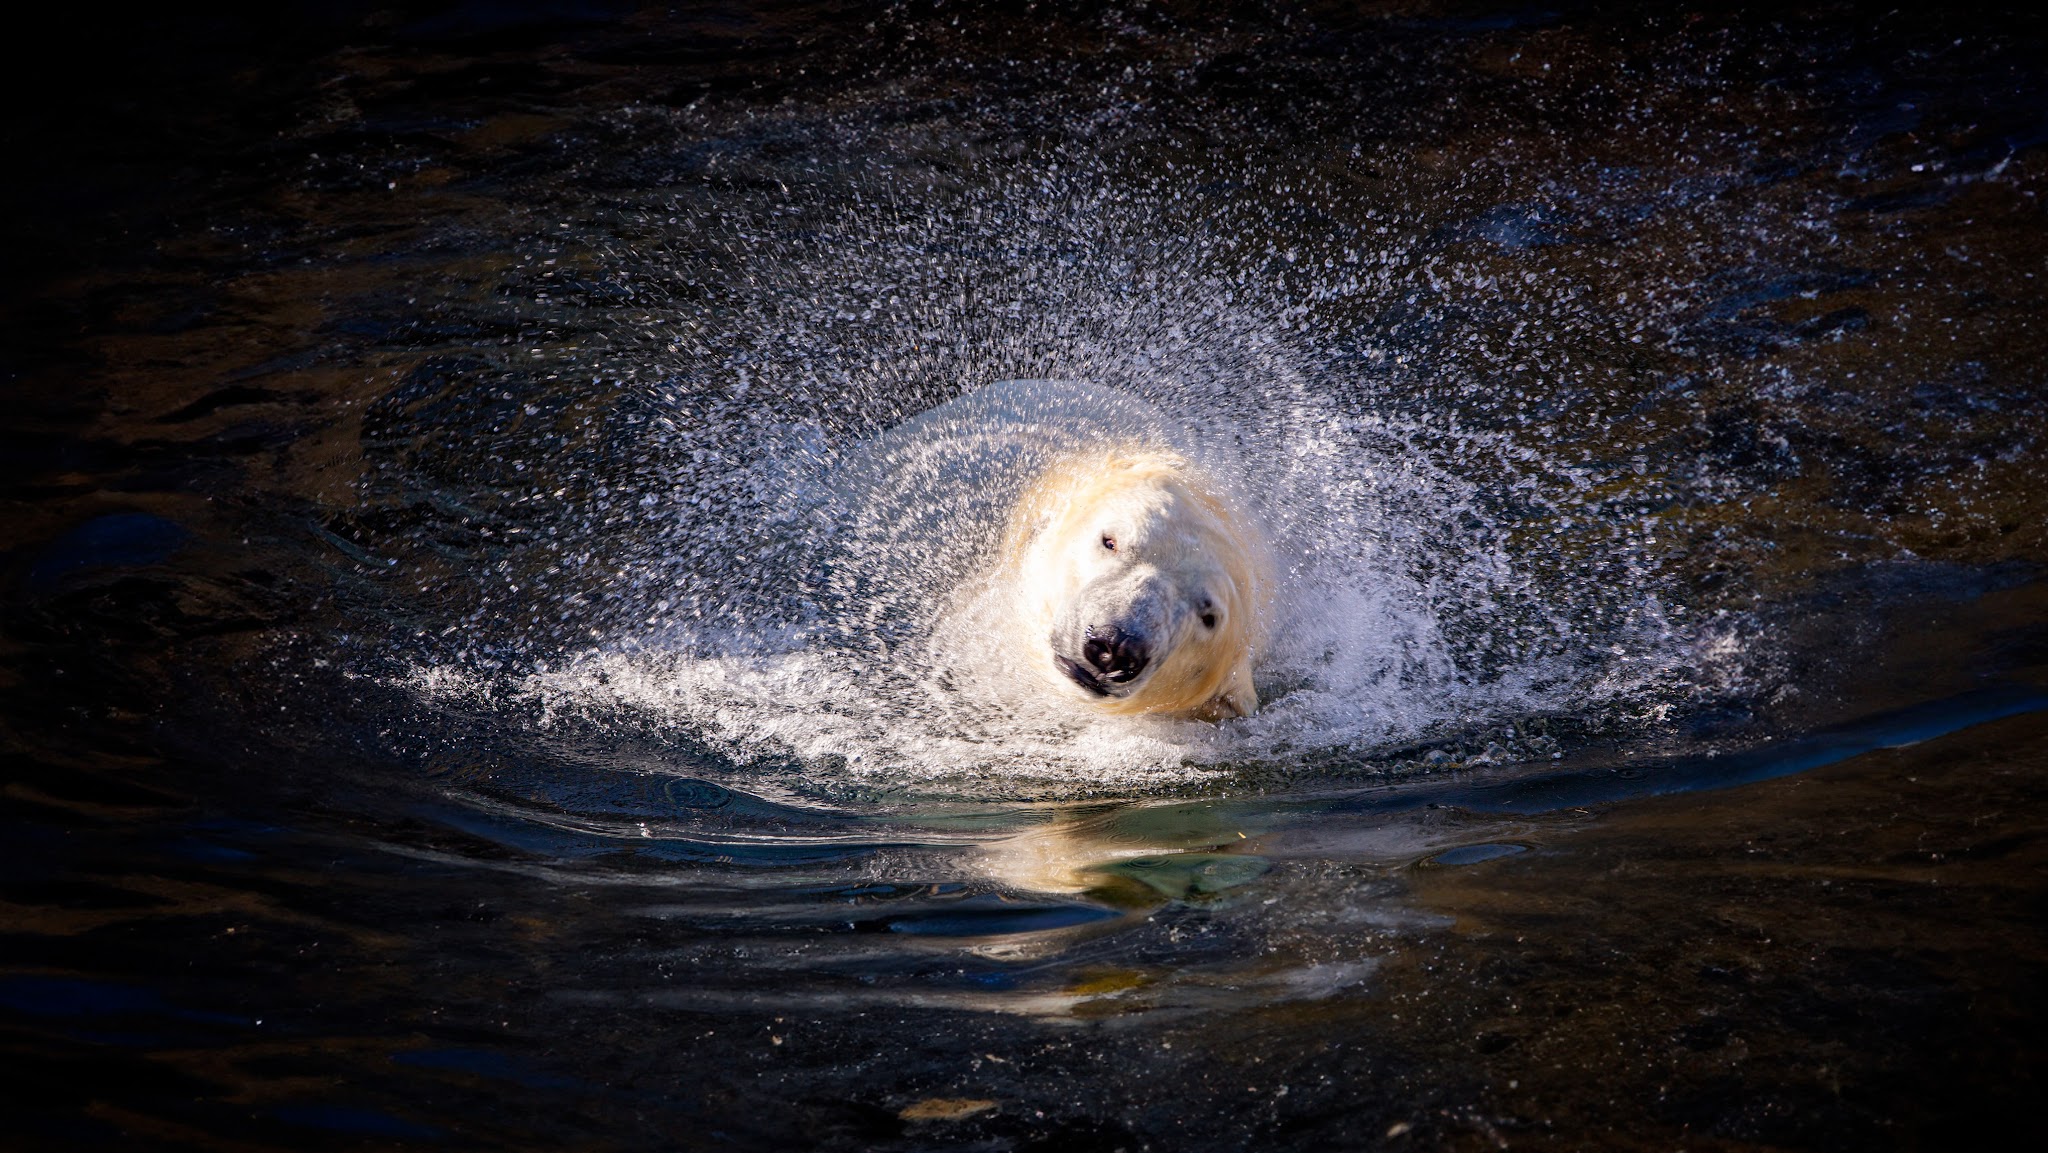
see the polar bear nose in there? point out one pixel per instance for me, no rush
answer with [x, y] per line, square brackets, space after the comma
[1116, 656]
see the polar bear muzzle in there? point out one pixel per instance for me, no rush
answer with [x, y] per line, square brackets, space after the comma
[1107, 640]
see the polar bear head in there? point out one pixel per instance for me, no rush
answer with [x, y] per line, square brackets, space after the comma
[1147, 590]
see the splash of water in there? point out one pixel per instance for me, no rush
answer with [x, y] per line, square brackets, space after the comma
[763, 572]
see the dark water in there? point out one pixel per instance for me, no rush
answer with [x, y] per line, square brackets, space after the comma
[442, 706]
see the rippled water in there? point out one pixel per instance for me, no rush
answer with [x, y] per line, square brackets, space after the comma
[496, 500]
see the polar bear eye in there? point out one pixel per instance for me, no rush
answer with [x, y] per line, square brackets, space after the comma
[1208, 620]
[1108, 542]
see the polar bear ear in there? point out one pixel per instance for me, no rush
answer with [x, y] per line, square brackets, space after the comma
[1238, 698]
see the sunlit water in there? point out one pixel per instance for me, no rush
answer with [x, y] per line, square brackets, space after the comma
[500, 642]
[751, 581]
[867, 641]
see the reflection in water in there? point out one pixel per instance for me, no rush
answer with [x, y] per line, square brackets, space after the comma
[472, 533]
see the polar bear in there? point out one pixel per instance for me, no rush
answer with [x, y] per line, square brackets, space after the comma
[1148, 591]
[1077, 531]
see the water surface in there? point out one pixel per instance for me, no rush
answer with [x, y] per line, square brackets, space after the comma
[466, 683]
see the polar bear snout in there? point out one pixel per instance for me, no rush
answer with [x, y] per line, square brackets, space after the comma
[1112, 659]
[1115, 655]
[1119, 623]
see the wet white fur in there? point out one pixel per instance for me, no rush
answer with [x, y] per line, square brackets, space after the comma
[1171, 528]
